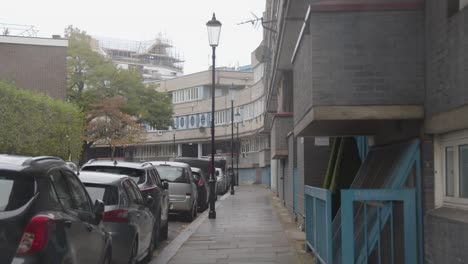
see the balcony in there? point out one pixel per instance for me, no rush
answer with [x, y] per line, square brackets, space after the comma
[356, 64]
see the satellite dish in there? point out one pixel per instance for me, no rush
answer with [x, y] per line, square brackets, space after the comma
[262, 53]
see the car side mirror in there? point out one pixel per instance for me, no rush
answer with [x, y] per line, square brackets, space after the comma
[98, 211]
[165, 185]
[149, 200]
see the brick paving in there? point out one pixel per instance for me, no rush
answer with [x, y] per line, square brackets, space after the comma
[246, 230]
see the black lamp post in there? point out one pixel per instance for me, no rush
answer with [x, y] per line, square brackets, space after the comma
[238, 115]
[214, 31]
[173, 144]
[232, 141]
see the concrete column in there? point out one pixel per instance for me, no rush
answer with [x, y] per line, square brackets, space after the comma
[179, 150]
[200, 150]
[274, 173]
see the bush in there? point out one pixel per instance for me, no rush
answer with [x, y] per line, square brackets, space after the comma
[36, 125]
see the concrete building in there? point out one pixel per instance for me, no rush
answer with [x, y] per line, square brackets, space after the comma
[366, 103]
[190, 134]
[35, 64]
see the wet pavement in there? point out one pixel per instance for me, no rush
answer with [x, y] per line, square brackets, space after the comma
[247, 230]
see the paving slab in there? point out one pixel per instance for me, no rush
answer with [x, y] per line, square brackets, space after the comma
[246, 230]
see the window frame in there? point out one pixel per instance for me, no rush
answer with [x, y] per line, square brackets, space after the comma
[455, 141]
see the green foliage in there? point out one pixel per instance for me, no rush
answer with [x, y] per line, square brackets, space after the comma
[34, 124]
[92, 78]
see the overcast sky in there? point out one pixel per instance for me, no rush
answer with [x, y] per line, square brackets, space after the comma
[182, 21]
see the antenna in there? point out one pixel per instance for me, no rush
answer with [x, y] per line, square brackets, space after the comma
[255, 22]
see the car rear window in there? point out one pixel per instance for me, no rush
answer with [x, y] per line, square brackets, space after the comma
[106, 193]
[172, 174]
[15, 190]
[138, 176]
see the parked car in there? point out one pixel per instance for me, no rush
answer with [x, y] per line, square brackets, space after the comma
[221, 181]
[46, 214]
[126, 215]
[203, 188]
[204, 165]
[183, 193]
[147, 178]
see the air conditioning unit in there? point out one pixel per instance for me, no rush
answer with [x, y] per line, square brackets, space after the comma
[160, 133]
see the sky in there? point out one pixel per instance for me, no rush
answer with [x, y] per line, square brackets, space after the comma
[182, 21]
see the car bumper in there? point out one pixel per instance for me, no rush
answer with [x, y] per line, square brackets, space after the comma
[180, 203]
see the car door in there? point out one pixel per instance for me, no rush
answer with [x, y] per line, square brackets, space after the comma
[93, 242]
[139, 215]
[193, 184]
[163, 199]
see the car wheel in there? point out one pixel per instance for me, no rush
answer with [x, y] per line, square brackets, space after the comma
[165, 231]
[191, 214]
[133, 253]
[151, 246]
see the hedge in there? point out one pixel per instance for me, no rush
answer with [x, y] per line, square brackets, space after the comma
[36, 125]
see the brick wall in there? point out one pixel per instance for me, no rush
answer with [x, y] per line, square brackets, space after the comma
[447, 57]
[360, 58]
[36, 68]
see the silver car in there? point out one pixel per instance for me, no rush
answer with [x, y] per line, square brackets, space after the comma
[222, 183]
[183, 193]
[126, 216]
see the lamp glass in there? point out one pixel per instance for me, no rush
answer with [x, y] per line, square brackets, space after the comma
[214, 31]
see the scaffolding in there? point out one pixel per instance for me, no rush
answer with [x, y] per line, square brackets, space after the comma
[157, 52]
[17, 30]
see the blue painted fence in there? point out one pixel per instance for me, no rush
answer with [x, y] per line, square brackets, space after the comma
[319, 223]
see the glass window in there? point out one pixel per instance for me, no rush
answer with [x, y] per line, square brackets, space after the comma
[15, 190]
[463, 170]
[132, 193]
[137, 175]
[79, 196]
[173, 174]
[107, 193]
[61, 189]
[449, 172]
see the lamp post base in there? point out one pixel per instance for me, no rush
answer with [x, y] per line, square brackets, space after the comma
[212, 215]
[232, 192]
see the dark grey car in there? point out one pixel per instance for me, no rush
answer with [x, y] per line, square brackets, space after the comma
[46, 215]
[126, 216]
[147, 178]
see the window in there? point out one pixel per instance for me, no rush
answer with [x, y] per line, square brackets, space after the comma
[133, 194]
[454, 156]
[15, 190]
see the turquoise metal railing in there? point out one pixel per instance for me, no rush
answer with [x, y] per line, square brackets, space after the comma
[387, 177]
[383, 201]
[319, 223]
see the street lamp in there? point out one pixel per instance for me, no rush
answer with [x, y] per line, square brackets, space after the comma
[173, 144]
[232, 140]
[214, 31]
[238, 115]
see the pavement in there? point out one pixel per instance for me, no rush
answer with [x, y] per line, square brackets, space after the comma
[247, 230]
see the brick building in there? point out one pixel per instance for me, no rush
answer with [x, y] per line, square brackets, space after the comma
[35, 64]
[380, 84]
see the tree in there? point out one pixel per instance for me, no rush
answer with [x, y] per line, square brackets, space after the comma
[92, 79]
[110, 126]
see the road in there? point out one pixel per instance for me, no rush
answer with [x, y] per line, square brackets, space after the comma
[176, 225]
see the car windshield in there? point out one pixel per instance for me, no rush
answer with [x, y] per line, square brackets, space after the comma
[106, 193]
[15, 190]
[138, 176]
[172, 174]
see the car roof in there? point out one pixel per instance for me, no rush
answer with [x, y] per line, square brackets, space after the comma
[115, 163]
[170, 163]
[17, 163]
[101, 177]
